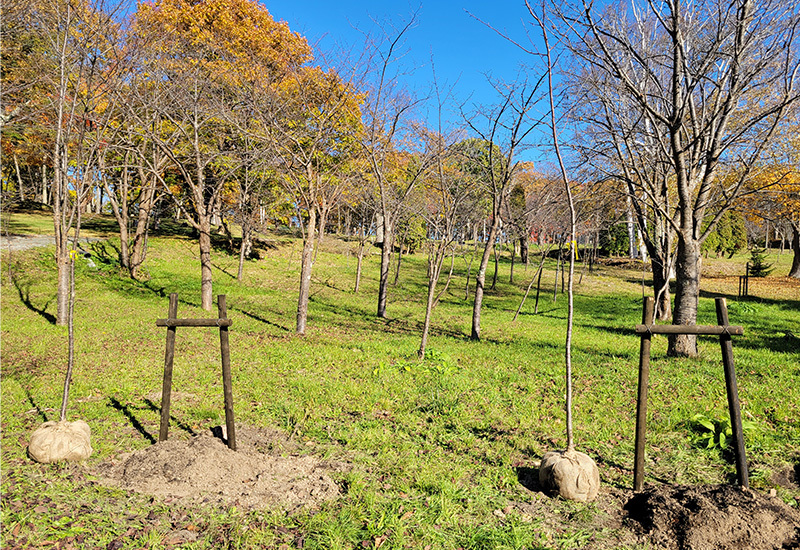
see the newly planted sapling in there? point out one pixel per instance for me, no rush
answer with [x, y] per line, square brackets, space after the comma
[570, 473]
[63, 440]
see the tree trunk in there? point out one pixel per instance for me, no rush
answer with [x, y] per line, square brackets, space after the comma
[359, 264]
[44, 184]
[206, 290]
[61, 235]
[538, 290]
[124, 250]
[306, 264]
[523, 250]
[687, 292]
[795, 270]
[558, 266]
[138, 250]
[432, 280]
[323, 222]
[62, 296]
[20, 188]
[399, 261]
[383, 282]
[513, 257]
[244, 250]
[663, 307]
[496, 265]
[480, 280]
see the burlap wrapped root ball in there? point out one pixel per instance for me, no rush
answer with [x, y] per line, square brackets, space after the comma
[55, 441]
[571, 474]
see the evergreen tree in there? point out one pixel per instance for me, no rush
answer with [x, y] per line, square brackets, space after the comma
[758, 263]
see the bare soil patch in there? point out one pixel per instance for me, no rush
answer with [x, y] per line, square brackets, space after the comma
[713, 518]
[673, 517]
[266, 470]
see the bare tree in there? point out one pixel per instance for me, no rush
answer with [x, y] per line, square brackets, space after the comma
[447, 190]
[79, 60]
[502, 133]
[620, 145]
[311, 127]
[713, 81]
[396, 159]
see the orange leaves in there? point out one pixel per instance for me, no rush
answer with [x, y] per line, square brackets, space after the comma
[237, 40]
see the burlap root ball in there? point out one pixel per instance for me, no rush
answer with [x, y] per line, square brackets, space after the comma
[55, 441]
[571, 474]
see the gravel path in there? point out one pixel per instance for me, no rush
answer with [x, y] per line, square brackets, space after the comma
[24, 242]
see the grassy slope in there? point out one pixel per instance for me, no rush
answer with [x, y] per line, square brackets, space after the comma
[444, 439]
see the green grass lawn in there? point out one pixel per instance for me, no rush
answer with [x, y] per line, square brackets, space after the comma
[445, 439]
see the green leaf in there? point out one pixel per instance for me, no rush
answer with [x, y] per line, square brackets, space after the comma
[704, 422]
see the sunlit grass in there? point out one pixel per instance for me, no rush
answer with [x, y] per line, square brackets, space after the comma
[435, 444]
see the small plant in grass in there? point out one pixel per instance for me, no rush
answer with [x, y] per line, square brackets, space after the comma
[742, 308]
[715, 434]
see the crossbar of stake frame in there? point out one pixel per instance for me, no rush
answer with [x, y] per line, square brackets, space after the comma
[724, 331]
[172, 322]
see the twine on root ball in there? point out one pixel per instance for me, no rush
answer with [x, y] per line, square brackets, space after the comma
[571, 474]
[56, 441]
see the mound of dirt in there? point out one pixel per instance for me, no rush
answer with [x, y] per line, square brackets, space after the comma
[714, 517]
[265, 471]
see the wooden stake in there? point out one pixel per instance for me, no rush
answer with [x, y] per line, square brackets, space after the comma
[172, 322]
[733, 395]
[166, 388]
[724, 330]
[227, 386]
[641, 401]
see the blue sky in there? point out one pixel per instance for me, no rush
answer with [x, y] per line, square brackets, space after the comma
[463, 49]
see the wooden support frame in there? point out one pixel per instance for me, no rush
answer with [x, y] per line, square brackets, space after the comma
[724, 331]
[172, 323]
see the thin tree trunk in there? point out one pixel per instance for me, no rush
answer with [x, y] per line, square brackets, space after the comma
[244, 249]
[399, 257]
[496, 262]
[513, 257]
[435, 268]
[62, 250]
[537, 275]
[523, 250]
[795, 269]
[386, 257]
[538, 291]
[469, 271]
[397, 264]
[70, 326]
[558, 266]
[480, 280]
[44, 184]
[663, 306]
[20, 185]
[139, 247]
[306, 265]
[206, 289]
[359, 265]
